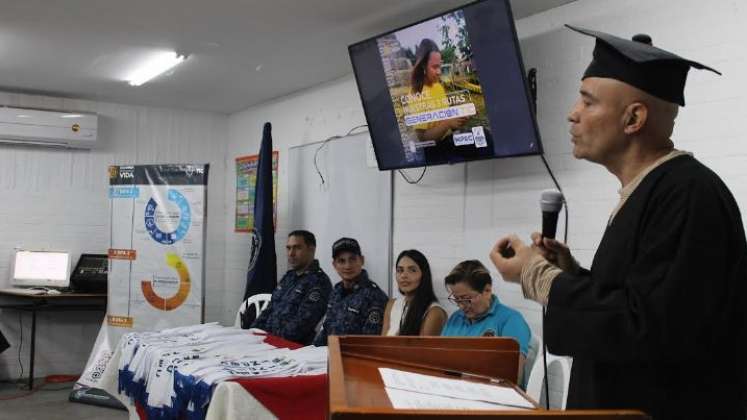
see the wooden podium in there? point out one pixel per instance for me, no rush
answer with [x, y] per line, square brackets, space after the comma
[356, 390]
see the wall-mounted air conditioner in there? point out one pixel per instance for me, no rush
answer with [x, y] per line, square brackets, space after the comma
[48, 128]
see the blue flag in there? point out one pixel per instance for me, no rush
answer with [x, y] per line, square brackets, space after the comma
[262, 274]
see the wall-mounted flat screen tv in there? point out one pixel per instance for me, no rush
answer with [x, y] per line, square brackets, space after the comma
[448, 89]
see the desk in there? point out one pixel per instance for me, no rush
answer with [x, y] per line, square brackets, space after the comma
[61, 302]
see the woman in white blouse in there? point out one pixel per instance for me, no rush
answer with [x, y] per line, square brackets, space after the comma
[417, 312]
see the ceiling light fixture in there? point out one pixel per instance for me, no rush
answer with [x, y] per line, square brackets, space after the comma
[155, 66]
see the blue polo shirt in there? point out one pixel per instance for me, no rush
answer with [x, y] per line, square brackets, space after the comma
[499, 321]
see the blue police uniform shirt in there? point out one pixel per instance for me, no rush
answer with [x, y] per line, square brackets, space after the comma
[298, 304]
[498, 321]
[359, 310]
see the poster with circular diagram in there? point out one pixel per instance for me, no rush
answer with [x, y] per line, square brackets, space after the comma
[156, 255]
[157, 246]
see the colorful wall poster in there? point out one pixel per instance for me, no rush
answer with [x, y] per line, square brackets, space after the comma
[246, 181]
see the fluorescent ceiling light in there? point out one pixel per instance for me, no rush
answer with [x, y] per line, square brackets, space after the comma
[71, 116]
[156, 65]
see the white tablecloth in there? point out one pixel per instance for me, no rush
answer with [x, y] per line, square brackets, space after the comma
[231, 401]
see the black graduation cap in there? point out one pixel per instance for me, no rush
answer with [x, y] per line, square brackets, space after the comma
[638, 63]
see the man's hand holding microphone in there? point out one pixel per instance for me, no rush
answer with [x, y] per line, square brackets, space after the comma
[510, 254]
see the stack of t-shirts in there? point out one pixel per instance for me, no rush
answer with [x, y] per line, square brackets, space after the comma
[313, 358]
[172, 373]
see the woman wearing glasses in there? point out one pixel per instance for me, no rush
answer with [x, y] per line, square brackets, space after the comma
[417, 312]
[480, 312]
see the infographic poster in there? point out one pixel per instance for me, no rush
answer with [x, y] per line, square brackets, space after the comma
[246, 181]
[156, 254]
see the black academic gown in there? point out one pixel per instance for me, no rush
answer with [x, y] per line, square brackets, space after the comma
[658, 323]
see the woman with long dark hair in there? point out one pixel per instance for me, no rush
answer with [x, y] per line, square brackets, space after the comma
[425, 82]
[417, 312]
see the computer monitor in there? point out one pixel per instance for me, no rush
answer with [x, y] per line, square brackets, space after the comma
[41, 269]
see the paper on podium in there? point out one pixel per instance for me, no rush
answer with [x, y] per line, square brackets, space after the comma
[452, 389]
[405, 400]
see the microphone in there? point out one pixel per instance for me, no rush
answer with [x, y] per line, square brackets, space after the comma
[551, 202]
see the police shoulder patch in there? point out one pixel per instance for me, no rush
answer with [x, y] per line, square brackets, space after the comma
[314, 296]
[374, 317]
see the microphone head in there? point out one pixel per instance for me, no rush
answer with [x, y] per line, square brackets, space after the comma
[551, 201]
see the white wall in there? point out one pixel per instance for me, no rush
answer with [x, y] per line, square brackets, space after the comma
[297, 119]
[457, 212]
[57, 199]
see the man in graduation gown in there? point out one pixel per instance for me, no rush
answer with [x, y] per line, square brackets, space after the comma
[658, 322]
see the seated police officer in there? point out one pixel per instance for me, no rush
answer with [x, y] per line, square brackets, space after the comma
[300, 300]
[356, 305]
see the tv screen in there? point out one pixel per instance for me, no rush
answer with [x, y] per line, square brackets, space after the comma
[448, 89]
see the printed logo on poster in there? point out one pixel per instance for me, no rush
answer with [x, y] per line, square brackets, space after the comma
[190, 170]
[127, 172]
